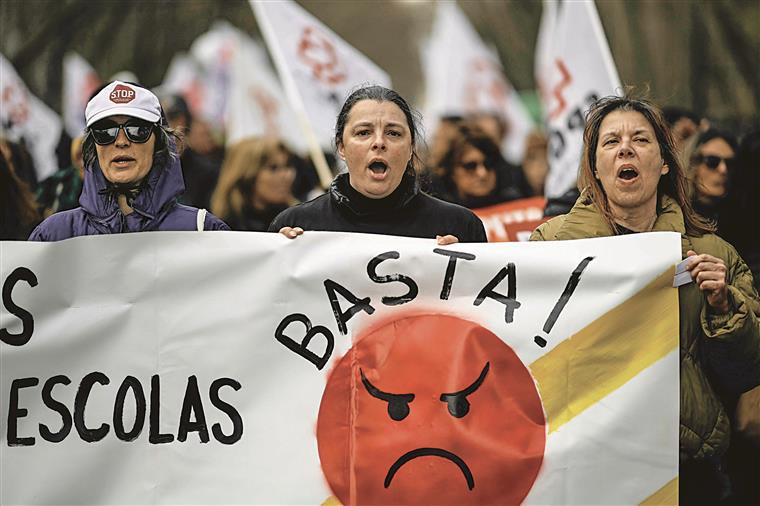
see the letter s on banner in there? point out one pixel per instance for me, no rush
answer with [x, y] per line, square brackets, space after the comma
[19, 274]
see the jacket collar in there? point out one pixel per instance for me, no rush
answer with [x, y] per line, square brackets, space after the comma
[584, 220]
[159, 193]
[343, 194]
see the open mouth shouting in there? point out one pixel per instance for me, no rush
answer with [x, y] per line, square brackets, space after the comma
[627, 173]
[378, 169]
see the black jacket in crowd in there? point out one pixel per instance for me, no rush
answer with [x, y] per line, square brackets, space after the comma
[405, 212]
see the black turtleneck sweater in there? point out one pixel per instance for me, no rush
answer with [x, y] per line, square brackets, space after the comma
[405, 212]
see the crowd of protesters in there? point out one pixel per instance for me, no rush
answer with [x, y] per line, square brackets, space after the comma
[150, 166]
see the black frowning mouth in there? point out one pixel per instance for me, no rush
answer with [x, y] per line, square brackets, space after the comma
[430, 452]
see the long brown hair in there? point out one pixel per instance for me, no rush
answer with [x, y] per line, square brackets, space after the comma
[242, 163]
[673, 184]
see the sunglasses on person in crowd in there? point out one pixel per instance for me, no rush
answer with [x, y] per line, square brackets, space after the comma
[713, 161]
[105, 132]
[473, 166]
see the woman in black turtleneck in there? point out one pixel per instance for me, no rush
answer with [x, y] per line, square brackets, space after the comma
[375, 135]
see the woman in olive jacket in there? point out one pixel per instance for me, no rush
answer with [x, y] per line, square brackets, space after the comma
[633, 182]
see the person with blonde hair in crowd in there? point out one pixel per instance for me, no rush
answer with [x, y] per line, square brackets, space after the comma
[633, 182]
[255, 184]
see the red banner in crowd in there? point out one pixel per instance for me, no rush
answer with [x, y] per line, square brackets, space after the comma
[512, 221]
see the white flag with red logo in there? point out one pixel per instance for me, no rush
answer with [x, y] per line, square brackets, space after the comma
[24, 116]
[256, 104]
[463, 76]
[579, 71]
[79, 82]
[317, 67]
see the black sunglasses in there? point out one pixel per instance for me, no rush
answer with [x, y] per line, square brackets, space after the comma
[136, 130]
[712, 161]
[473, 166]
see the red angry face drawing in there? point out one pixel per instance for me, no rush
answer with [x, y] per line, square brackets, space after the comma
[430, 409]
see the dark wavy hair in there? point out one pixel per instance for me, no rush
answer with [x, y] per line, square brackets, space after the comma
[382, 94]
[673, 184]
[162, 150]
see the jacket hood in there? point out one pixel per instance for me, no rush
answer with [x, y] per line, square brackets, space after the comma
[159, 192]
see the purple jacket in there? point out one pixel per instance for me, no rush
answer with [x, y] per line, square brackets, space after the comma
[155, 208]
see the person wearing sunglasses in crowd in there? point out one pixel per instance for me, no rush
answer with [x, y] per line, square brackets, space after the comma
[473, 173]
[709, 158]
[132, 172]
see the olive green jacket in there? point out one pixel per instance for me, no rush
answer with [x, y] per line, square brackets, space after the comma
[716, 350]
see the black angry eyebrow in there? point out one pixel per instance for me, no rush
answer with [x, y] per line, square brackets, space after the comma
[470, 389]
[385, 396]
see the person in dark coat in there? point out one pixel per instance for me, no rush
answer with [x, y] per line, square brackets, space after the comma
[132, 172]
[376, 136]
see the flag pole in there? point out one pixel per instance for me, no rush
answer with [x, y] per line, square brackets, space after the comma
[315, 150]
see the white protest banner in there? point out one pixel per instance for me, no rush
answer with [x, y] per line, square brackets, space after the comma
[230, 367]
[463, 76]
[580, 71]
[79, 82]
[318, 70]
[256, 105]
[24, 116]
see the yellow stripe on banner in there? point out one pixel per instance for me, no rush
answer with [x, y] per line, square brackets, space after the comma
[667, 495]
[609, 352]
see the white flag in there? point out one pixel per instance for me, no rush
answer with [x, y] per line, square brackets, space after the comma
[256, 104]
[22, 115]
[581, 70]
[317, 67]
[543, 57]
[79, 82]
[464, 76]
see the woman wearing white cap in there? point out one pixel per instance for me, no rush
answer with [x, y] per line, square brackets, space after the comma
[132, 172]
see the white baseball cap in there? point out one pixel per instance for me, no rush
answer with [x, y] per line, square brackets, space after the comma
[120, 98]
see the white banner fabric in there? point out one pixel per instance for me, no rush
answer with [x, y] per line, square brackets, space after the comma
[579, 71]
[231, 367]
[318, 68]
[22, 115]
[463, 76]
[79, 82]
